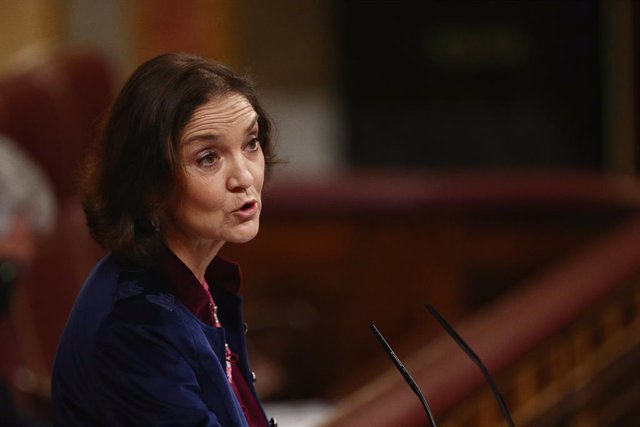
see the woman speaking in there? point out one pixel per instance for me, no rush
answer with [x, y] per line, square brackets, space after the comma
[156, 336]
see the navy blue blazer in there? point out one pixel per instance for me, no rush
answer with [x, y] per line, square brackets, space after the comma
[132, 355]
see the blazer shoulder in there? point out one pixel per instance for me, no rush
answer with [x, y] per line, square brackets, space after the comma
[152, 317]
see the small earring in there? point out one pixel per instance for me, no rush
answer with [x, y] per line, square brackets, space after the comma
[155, 224]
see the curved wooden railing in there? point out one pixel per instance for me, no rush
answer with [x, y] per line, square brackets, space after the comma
[546, 341]
[376, 247]
[420, 192]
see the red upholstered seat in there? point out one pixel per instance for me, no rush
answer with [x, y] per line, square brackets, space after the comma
[51, 107]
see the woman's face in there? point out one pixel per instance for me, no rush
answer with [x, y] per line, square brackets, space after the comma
[218, 198]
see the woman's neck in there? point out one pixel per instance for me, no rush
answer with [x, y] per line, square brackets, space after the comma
[196, 256]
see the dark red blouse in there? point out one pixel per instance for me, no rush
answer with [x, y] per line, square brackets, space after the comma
[194, 295]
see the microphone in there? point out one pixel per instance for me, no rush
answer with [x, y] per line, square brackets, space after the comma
[405, 374]
[474, 357]
[464, 346]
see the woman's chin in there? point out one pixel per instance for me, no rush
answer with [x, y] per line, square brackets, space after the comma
[243, 235]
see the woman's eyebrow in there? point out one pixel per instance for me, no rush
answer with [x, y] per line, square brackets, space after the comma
[253, 123]
[208, 136]
[205, 137]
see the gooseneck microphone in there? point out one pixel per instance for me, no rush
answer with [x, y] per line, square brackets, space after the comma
[474, 357]
[405, 374]
[464, 346]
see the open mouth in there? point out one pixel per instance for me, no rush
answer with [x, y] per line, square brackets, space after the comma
[248, 206]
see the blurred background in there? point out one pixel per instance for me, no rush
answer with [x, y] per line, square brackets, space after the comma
[477, 155]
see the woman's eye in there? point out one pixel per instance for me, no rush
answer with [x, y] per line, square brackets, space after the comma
[208, 159]
[253, 144]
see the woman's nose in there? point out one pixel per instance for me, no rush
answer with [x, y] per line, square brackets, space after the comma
[240, 176]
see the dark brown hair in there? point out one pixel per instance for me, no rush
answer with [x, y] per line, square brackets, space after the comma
[134, 168]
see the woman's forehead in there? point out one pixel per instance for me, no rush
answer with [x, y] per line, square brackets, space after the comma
[220, 116]
[229, 110]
